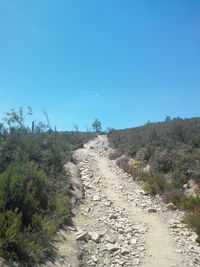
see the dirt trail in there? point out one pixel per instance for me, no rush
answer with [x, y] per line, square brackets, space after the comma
[113, 225]
[159, 246]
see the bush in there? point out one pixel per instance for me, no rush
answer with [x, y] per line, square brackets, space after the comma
[131, 170]
[193, 219]
[25, 188]
[122, 163]
[23, 196]
[154, 183]
[174, 195]
[191, 203]
[25, 246]
[33, 207]
[34, 187]
[113, 155]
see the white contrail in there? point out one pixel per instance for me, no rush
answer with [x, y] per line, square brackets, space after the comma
[98, 93]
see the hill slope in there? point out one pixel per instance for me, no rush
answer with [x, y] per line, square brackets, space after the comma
[172, 146]
[165, 159]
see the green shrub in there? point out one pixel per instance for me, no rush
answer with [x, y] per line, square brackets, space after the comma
[24, 246]
[23, 195]
[34, 187]
[193, 219]
[174, 195]
[154, 183]
[62, 211]
[30, 214]
[25, 188]
[191, 203]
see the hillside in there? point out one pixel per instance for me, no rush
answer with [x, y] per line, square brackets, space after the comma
[172, 146]
[34, 187]
[37, 194]
[165, 158]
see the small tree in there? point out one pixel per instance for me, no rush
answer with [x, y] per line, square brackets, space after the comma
[96, 125]
[16, 118]
[167, 119]
[76, 128]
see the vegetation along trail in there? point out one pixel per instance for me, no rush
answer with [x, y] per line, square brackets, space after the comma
[117, 224]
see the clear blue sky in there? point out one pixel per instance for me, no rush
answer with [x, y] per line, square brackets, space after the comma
[122, 61]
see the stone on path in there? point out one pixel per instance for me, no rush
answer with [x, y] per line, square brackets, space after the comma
[112, 247]
[94, 236]
[96, 198]
[152, 210]
[82, 235]
[171, 206]
[125, 251]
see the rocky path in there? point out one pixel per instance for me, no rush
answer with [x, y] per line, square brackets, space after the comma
[117, 224]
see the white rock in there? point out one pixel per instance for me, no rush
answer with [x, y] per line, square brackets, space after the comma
[103, 232]
[128, 230]
[82, 235]
[117, 262]
[107, 203]
[171, 206]
[133, 241]
[70, 229]
[112, 247]
[96, 198]
[125, 251]
[86, 210]
[113, 216]
[94, 258]
[110, 239]
[95, 236]
[152, 210]
[106, 262]
[91, 263]
[128, 236]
